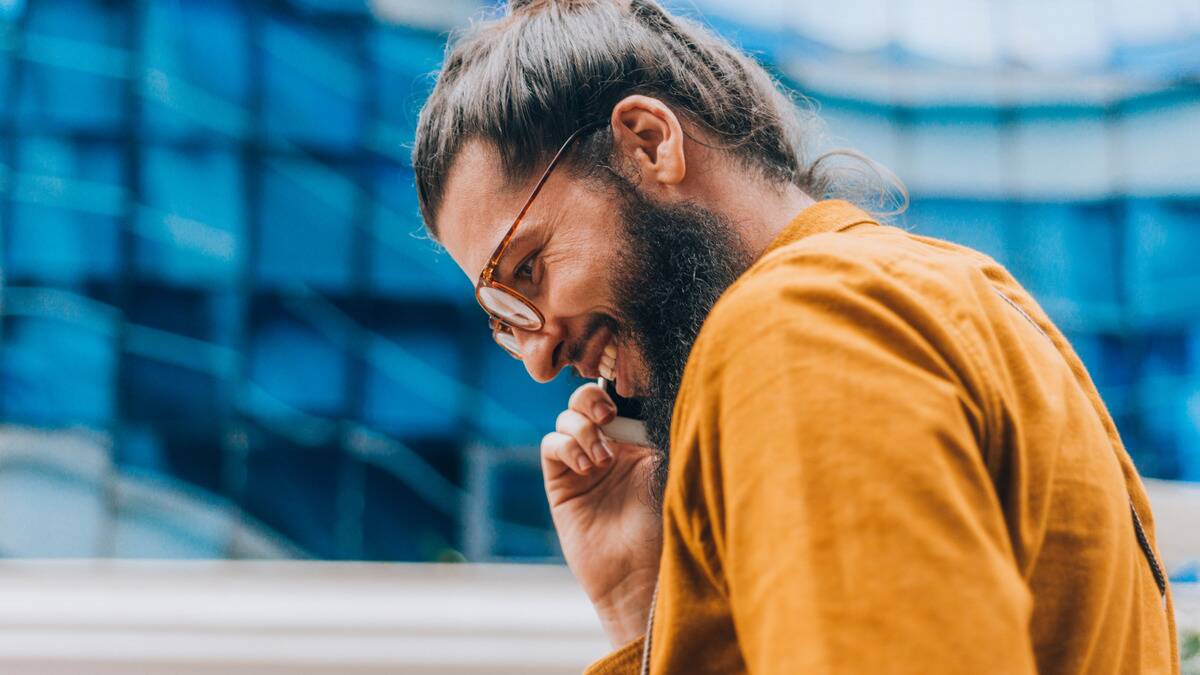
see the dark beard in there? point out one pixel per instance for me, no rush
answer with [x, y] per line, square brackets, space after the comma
[677, 261]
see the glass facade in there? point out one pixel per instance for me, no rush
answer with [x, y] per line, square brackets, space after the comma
[213, 264]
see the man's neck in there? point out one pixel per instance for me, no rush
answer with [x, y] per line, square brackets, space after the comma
[759, 208]
[767, 213]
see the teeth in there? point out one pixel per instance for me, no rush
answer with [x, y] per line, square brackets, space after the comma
[608, 362]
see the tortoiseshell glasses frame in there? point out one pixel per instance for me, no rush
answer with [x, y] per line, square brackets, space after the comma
[507, 308]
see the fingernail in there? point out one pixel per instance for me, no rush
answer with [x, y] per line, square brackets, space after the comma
[584, 464]
[599, 450]
[601, 411]
[607, 450]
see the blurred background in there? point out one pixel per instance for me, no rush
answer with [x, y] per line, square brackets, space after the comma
[223, 334]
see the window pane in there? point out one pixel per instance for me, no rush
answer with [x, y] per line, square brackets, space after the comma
[414, 373]
[58, 362]
[313, 85]
[191, 226]
[405, 262]
[307, 225]
[294, 365]
[978, 224]
[1162, 274]
[399, 524]
[293, 489]
[1066, 254]
[68, 204]
[512, 408]
[76, 66]
[198, 68]
[404, 58]
[175, 380]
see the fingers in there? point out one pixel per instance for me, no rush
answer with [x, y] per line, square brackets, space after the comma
[585, 433]
[576, 441]
[593, 402]
[564, 449]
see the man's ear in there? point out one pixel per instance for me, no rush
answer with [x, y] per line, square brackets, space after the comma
[649, 138]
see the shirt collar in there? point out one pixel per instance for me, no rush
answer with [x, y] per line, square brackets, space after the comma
[830, 215]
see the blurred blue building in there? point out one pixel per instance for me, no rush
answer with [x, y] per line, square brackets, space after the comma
[215, 286]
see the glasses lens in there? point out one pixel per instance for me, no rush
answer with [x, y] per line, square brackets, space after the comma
[505, 338]
[509, 308]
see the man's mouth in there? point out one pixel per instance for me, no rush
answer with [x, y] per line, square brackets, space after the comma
[601, 359]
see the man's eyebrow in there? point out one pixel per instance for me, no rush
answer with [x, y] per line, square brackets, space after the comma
[528, 228]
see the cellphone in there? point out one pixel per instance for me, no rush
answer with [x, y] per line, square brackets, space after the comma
[628, 427]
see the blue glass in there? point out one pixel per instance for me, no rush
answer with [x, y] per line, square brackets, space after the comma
[1162, 412]
[522, 514]
[197, 62]
[342, 7]
[76, 66]
[398, 524]
[405, 262]
[140, 446]
[10, 10]
[296, 366]
[190, 235]
[1112, 361]
[414, 383]
[313, 85]
[1163, 278]
[69, 201]
[980, 225]
[57, 371]
[173, 385]
[1189, 425]
[8, 43]
[513, 409]
[1067, 256]
[293, 489]
[307, 222]
[404, 59]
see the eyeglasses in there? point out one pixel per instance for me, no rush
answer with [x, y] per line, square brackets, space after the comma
[507, 308]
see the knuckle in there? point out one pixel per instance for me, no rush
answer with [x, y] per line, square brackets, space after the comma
[585, 396]
[571, 452]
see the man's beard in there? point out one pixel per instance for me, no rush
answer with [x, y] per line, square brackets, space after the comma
[677, 260]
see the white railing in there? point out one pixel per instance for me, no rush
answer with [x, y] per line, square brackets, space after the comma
[242, 618]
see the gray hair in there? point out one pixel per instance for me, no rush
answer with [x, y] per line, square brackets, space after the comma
[525, 81]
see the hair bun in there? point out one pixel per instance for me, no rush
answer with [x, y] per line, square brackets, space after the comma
[523, 5]
[535, 5]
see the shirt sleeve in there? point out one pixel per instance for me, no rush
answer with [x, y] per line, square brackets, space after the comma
[862, 531]
[625, 661]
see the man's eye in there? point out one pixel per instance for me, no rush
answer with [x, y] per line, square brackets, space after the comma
[525, 269]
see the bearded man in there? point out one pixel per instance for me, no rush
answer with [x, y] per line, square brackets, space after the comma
[873, 451]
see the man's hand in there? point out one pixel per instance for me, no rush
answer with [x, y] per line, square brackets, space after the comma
[599, 499]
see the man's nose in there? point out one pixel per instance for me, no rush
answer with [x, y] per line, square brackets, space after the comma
[539, 351]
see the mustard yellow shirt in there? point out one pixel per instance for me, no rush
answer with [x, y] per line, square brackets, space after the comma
[886, 459]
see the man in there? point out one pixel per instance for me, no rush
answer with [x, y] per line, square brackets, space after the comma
[883, 457]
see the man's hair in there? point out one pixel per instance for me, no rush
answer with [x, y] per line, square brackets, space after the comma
[524, 82]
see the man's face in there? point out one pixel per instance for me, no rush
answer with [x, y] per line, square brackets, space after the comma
[604, 263]
[561, 259]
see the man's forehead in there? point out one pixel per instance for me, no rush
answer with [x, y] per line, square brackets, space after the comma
[477, 207]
